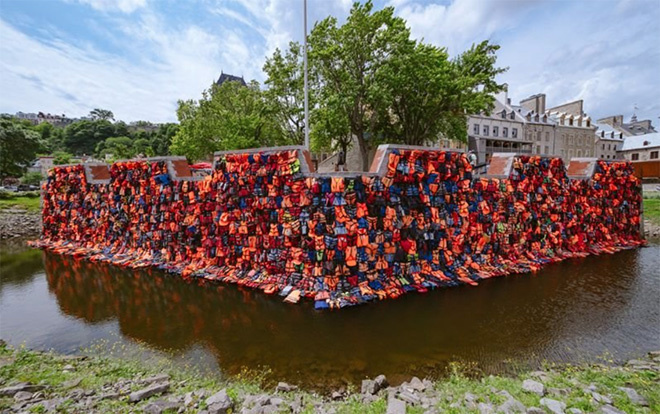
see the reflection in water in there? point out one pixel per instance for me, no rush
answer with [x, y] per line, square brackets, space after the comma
[568, 311]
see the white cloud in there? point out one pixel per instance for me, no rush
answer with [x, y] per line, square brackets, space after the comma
[124, 6]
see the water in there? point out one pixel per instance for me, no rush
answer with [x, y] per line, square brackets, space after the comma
[577, 310]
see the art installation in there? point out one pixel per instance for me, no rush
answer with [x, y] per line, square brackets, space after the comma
[261, 221]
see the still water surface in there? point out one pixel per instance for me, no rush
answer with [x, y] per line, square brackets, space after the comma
[577, 310]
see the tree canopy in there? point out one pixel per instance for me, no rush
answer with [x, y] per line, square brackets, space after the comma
[19, 145]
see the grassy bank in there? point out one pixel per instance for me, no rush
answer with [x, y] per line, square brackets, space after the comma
[652, 210]
[102, 384]
[29, 201]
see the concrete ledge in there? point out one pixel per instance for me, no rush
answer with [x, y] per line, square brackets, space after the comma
[97, 173]
[501, 164]
[581, 168]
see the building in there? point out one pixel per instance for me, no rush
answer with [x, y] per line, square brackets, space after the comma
[634, 127]
[608, 141]
[499, 131]
[539, 128]
[225, 77]
[641, 148]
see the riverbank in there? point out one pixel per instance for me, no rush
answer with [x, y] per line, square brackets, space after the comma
[32, 381]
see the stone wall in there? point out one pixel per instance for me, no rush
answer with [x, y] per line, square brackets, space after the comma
[417, 222]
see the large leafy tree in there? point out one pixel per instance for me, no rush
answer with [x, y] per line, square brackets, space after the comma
[348, 60]
[229, 116]
[286, 91]
[82, 137]
[19, 145]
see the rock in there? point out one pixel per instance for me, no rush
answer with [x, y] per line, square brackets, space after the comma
[51, 405]
[381, 382]
[276, 401]
[369, 398]
[109, 396]
[157, 407]
[485, 408]
[188, 399]
[155, 378]
[10, 391]
[369, 387]
[148, 392]
[535, 410]
[469, 397]
[22, 396]
[71, 383]
[575, 411]
[558, 391]
[336, 395]
[601, 399]
[68, 368]
[608, 409]
[284, 387]
[634, 397]
[416, 384]
[396, 406]
[512, 406]
[219, 403]
[409, 397]
[540, 375]
[556, 407]
[534, 387]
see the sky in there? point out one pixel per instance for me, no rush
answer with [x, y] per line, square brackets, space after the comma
[139, 57]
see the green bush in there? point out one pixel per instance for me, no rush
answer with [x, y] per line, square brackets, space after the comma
[31, 178]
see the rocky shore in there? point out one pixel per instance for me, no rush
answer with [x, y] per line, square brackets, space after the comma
[16, 222]
[32, 381]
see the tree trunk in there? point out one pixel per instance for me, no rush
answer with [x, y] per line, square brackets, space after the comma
[364, 151]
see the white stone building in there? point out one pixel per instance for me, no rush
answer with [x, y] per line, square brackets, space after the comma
[641, 147]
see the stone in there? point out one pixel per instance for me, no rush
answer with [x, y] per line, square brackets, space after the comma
[219, 403]
[381, 382]
[284, 387]
[575, 411]
[608, 409]
[369, 398]
[148, 392]
[68, 368]
[109, 396]
[188, 399]
[71, 383]
[369, 387]
[469, 397]
[336, 395]
[634, 397]
[157, 407]
[155, 378]
[535, 387]
[416, 384]
[396, 406]
[535, 410]
[601, 399]
[409, 397]
[556, 407]
[540, 375]
[512, 406]
[22, 396]
[558, 391]
[485, 408]
[276, 401]
[10, 391]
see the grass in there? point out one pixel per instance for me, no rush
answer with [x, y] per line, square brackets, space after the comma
[652, 210]
[94, 372]
[31, 204]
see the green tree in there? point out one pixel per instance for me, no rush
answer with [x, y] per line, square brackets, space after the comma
[348, 60]
[102, 114]
[161, 138]
[81, 138]
[142, 146]
[116, 147]
[230, 116]
[19, 145]
[61, 158]
[31, 178]
[286, 91]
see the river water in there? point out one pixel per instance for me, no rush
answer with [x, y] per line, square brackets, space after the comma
[574, 311]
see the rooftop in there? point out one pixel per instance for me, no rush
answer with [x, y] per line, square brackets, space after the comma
[636, 142]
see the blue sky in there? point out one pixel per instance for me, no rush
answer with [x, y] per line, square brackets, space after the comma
[138, 57]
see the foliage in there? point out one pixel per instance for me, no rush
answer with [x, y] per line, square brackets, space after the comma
[286, 91]
[229, 116]
[61, 158]
[28, 200]
[31, 178]
[18, 147]
[82, 137]
[102, 114]
[117, 147]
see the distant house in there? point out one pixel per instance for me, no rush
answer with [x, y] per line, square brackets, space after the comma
[225, 77]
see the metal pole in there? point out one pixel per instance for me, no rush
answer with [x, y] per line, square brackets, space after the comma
[305, 70]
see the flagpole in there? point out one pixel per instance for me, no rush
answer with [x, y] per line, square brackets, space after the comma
[305, 70]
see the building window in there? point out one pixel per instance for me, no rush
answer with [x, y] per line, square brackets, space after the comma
[538, 136]
[513, 115]
[486, 130]
[504, 114]
[514, 132]
[475, 129]
[538, 149]
[579, 153]
[654, 155]
[603, 147]
[496, 130]
[635, 157]
[609, 147]
[602, 156]
[547, 136]
[547, 150]
[505, 132]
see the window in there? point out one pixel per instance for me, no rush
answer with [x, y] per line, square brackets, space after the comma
[514, 132]
[603, 147]
[475, 129]
[504, 114]
[654, 155]
[609, 147]
[608, 157]
[602, 156]
[512, 116]
[486, 130]
[505, 132]
[538, 149]
[579, 153]
[635, 156]
[547, 136]
[495, 131]
[538, 136]
[547, 150]
[570, 153]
